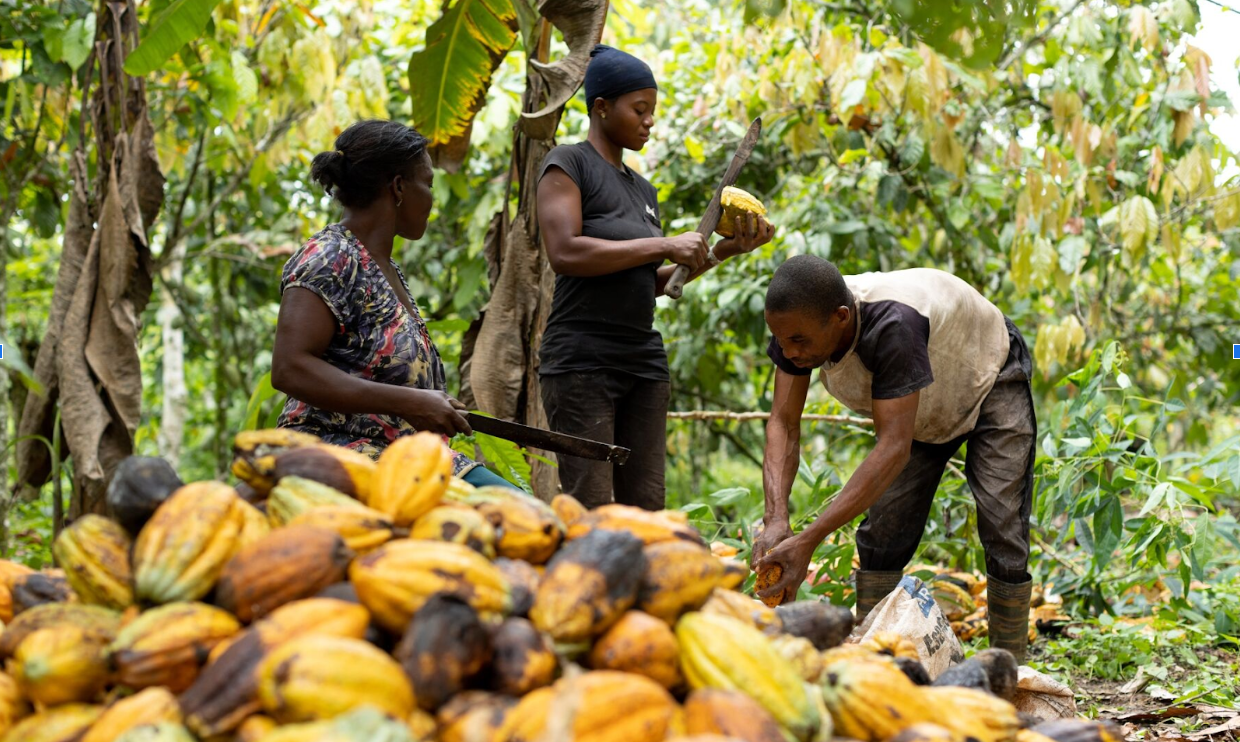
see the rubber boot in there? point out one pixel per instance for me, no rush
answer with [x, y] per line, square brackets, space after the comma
[872, 587]
[1007, 608]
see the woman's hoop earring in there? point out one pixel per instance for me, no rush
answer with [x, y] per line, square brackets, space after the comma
[399, 201]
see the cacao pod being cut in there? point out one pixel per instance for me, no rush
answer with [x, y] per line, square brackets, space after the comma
[736, 202]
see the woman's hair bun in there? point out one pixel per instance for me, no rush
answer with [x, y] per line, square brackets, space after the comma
[327, 169]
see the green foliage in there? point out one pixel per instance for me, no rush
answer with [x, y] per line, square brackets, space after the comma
[178, 24]
[450, 77]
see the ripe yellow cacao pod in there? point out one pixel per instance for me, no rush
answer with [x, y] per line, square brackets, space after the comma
[730, 713]
[94, 552]
[736, 203]
[588, 585]
[180, 552]
[679, 577]
[57, 724]
[871, 699]
[13, 705]
[363, 529]
[721, 652]
[150, 706]
[411, 477]
[472, 716]
[340, 468]
[60, 665]
[167, 645]
[525, 528]
[226, 691]
[650, 527]
[294, 496]
[254, 526]
[568, 508]
[394, 580]
[458, 524]
[891, 643]
[598, 706]
[322, 677]
[801, 653]
[744, 608]
[641, 644]
[972, 713]
[98, 623]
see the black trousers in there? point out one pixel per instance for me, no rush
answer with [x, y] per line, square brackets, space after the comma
[618, 408]
[999, 469]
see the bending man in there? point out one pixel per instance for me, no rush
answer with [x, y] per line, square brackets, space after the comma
[936, 365]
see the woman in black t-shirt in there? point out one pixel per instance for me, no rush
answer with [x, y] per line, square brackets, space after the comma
[603, 369]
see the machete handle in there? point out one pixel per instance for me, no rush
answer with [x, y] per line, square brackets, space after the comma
[676, 284]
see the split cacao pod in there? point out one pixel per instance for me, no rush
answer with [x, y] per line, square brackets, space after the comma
[736, 203]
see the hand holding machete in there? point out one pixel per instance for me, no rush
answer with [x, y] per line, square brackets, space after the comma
[676, 284]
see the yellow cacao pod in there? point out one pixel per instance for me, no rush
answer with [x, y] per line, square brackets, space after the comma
[180, 552]
[340, 468]
[394, 580]
[57, 724]
[254, 526]
[721, 652]
[256, 728]
[167, 645]
[411, 477]
[149, 706]
[972, 713]
[60, 665]
[588, 585]
[288, 564]
[457, 524]
[801, 653]
[294, 496]
[568, 508]
[871, 699]
[472, 716]
[98, 623]
[730, 713]
[526, 529]
[641, 644]
[892, 644]
[744, 608]
[736, 203]
[679, 577]
[13, 705]
[363, 529]
[598, 706]
[94, 552]
[321, 677]
[650, 527]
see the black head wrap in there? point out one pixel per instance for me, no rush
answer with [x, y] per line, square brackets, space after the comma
[612, 73]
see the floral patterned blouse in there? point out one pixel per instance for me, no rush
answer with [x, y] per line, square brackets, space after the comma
[376, 338]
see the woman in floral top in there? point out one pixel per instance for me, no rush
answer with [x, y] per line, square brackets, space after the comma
[352, 351]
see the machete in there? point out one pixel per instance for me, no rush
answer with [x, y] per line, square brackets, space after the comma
[676, 284]
[547, 440]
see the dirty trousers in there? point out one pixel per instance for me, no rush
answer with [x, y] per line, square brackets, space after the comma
[998, 467]
[617, 408]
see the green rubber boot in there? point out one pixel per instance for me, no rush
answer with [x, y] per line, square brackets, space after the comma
[1007, 607]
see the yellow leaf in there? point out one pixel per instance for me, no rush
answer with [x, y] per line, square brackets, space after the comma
[946, 151]
[1065, 105]
[1138, 226]
[1033, 262]
[696, 150]
[1227, 212]
[1184, 123]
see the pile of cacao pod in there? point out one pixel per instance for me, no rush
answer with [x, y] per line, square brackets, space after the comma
[331, 598]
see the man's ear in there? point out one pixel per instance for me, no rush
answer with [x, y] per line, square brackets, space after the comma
[843, 314]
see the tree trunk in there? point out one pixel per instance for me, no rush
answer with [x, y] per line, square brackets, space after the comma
[6, 498]
[176, 395]
[88, 363]
[499, 359]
